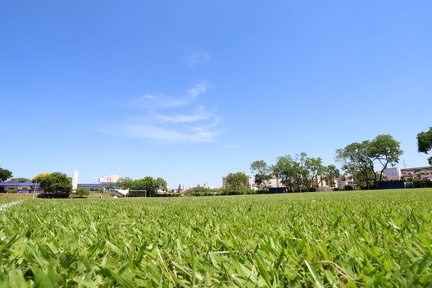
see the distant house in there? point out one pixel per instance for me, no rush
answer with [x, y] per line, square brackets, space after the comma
[20, 187]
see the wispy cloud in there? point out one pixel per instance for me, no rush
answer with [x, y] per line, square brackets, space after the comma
[199, 115]
[159, 101]
[196, 58]
[169, 119]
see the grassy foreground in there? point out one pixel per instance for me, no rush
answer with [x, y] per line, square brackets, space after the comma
[8, 198]
[333, 239]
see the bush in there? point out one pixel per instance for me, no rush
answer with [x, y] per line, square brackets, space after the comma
[11, 190]
[53, 195]
[421, 183]
[82, 192]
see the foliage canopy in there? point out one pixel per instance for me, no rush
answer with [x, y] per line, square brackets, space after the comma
[58, 183]
[5, 174]
[424, 143]
[359, 158]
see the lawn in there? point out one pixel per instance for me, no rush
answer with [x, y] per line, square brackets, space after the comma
[332, 239]
[7, 198]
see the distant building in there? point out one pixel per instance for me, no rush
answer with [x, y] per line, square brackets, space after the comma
[20, 187]
[393, 173]
[109, 179]
[417, 173]
[275, 182]
[341, 182]
[272, 183]
[205, 185]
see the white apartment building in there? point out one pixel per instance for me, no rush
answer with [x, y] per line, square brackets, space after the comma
[109, 179]
[393, 173]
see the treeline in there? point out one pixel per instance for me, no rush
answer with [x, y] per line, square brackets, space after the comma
[419, 184]
[202, 191]
[359, 161]
[144, 187]
[298, 174]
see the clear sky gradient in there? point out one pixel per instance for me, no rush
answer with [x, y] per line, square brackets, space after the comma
[192, 90]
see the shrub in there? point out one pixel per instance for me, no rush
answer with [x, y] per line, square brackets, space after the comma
[82, 192]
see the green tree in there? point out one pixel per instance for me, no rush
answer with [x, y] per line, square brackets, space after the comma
[125, 183]
[237, 183]
[262, 173]
[386, 151]
[82, 191]
[146, 187]
[203, 191]
[315, 172]
[5, 174]
[301, 173]
[331, 174]
[286, 169]
[161, 184]
[357, 163]
[57, 183]
[424, 143]
[108, 187]
[276, 173]
[359, 159]
[36, 179]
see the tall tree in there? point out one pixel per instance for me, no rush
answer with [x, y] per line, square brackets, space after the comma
[424, 143]
[125, 183]
[386, 151]
[331, 174]
[5, 174]
[286, 169]
[359, 159]
[56, 182]
[146, 187]
[161, 184]
[301, 173]
[356, 162]
[276, 173]
[262, 173]
[237, 183]
[315, 172]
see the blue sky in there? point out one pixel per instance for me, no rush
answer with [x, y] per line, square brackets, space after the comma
[192, 90]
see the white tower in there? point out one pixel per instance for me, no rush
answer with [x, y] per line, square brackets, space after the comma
[75, 180]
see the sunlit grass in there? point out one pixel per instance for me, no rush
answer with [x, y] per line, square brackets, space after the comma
[333, 239]
[7, 198]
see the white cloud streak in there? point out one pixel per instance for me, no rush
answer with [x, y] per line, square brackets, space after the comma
[196, 58]
[169, 119]
[159, 101]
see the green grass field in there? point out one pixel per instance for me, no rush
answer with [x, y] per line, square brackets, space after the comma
[333, 239]
[7, 198]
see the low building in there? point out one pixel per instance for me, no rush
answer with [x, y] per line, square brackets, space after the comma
[417, 173]
[20, 187]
